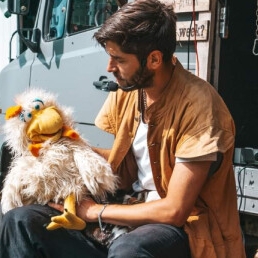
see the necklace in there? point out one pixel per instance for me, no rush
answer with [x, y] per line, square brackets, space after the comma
[144, 99]
[143, 104]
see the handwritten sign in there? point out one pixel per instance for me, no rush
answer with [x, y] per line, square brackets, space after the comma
[186, 32]
[184, 6]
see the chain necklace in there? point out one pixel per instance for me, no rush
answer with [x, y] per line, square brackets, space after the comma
[143, 105]
[144, 98]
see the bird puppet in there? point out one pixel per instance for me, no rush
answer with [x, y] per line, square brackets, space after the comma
[51, 161]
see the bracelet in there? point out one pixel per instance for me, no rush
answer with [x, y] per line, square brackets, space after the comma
[99, 217]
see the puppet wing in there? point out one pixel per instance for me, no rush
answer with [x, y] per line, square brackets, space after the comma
[95, 171]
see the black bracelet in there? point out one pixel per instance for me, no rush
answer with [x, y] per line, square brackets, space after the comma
[99, 217]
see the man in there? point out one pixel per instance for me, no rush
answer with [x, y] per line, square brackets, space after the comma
[174, 140]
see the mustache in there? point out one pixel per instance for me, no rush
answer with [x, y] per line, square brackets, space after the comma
[117, 76]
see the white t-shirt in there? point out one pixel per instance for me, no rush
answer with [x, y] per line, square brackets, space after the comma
[145, 178]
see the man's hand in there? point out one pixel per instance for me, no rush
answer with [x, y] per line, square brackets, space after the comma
[87, 209]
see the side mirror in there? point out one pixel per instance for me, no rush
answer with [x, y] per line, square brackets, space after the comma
[20, 7]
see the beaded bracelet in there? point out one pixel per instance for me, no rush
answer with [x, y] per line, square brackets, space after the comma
[99, 217]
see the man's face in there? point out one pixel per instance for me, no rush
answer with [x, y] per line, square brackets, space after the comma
[127, 69]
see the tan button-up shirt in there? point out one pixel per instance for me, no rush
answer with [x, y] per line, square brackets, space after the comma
[189, 120]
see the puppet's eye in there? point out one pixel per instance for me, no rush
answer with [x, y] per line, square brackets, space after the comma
[25, 116]
[38, 104]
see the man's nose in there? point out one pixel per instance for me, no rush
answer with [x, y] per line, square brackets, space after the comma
[111, 66]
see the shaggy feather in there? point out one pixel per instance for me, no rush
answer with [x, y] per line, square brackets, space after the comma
[63, 167]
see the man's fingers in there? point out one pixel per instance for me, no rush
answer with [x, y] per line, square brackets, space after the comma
[56, 206]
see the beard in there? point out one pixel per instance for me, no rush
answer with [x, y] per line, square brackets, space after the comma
[141, 79]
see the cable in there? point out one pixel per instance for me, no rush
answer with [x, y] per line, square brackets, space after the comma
[188, 46]
[195, 41]
[239, 186]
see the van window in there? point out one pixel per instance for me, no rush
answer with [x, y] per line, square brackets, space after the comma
[87, 14]
[79, 15]
[55, 19]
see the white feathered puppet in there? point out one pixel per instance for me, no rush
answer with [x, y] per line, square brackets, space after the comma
[51, 161]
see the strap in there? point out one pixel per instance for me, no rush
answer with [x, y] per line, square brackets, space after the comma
[99, 217]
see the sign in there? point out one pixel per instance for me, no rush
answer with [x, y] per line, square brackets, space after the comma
[185, 33]
[184, 6]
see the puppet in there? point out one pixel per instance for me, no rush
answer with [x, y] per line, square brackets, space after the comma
[51, 161]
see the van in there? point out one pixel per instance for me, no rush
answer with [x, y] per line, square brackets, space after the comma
[61, 57]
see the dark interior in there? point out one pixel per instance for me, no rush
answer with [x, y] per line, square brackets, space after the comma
[238, 71]
[238, 82]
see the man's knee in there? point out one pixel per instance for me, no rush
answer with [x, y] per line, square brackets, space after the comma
[27, 215]
[155, 240]
[125, 246]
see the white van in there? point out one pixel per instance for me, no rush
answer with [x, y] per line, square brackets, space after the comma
[61, 57]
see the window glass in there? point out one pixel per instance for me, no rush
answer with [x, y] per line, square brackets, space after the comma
[86, 14]
[81, 15]
[55, 19]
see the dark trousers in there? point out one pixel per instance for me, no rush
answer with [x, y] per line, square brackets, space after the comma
[23, 235]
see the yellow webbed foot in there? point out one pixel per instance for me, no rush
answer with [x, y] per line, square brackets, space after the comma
[68, 219]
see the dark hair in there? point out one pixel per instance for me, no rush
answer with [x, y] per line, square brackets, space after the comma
[140, 27]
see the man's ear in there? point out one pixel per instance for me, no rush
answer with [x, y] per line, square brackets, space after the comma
[154, 59]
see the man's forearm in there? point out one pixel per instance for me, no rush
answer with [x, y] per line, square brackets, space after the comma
[102, 152]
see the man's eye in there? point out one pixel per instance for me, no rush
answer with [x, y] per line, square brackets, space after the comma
[120, 61]
[38, 104]
[25, 116]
